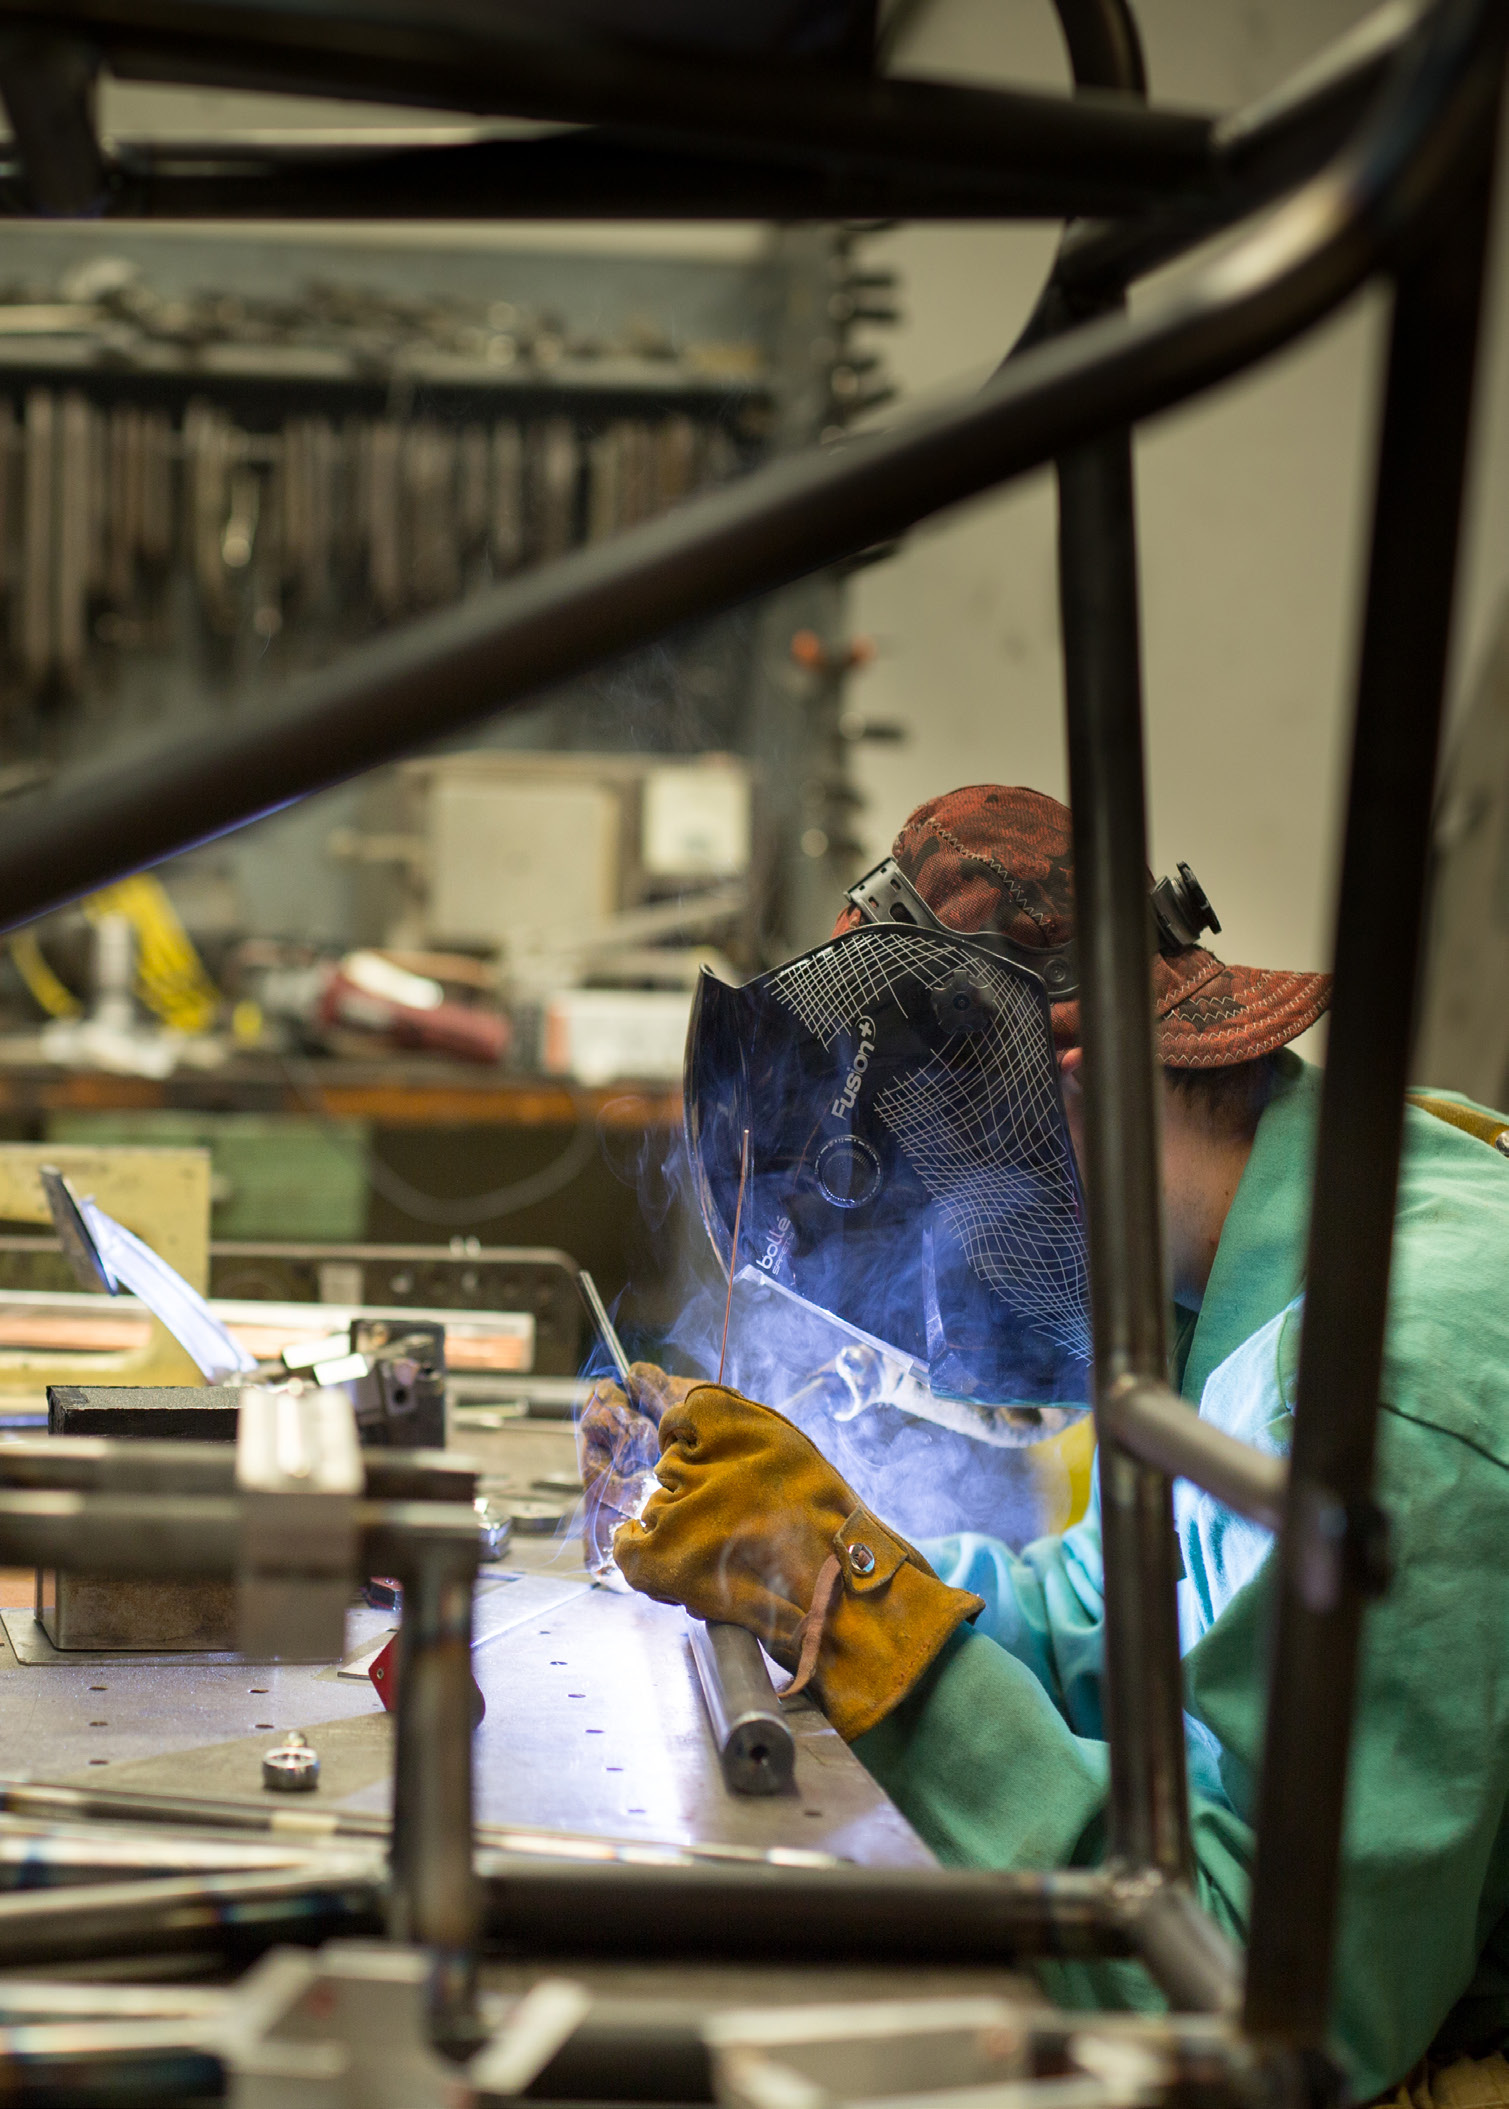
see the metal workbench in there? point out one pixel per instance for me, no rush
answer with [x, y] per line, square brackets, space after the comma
[595, 1724]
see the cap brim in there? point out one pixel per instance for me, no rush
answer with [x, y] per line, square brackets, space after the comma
[1212, 1016]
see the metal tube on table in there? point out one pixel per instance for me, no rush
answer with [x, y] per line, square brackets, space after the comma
[35, 1855]
[1097, 555]
[434, 1898]
[793, 516]
[1331, 1551]
[755, 1745]
[241, 1913]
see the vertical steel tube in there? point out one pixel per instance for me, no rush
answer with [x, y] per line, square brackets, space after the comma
[434, 1898]
[1097, 557]
[1324, 1571]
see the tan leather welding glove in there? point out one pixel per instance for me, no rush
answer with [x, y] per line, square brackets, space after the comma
[618, 1443]
[753, 1525]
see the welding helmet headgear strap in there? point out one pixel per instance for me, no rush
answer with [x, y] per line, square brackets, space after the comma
[1181, 914]
[911, 1170]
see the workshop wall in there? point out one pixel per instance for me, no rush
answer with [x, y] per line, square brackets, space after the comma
[1253, 509]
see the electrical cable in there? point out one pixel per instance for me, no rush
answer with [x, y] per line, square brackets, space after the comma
[439, 1211]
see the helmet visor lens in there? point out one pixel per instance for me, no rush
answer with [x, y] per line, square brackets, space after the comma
[910, 1167]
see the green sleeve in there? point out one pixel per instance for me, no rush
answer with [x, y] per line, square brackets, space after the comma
[940, 1758]
[983, 1763]
[1044, 1605]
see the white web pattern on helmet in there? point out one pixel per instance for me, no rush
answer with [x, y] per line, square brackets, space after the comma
[978, 1121]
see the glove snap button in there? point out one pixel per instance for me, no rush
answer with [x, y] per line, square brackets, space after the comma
[861, 1559]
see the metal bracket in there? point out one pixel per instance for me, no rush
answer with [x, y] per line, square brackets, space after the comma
[887, 895]
[299, 1467]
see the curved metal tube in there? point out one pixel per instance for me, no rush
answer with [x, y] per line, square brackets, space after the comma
[792, 517]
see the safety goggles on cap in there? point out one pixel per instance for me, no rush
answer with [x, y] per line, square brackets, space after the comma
[910, 1167]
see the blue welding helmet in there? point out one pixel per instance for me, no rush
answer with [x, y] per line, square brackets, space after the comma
[910, 1167]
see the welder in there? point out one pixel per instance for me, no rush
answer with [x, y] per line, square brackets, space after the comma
[913, 1089]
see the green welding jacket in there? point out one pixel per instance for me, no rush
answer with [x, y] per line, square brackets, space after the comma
[997, 1755]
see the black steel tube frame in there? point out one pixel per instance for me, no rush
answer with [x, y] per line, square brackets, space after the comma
[1410, 197]
[1330, 1527]
[434, 1900]
[433, 1547]
[1150, 1421]
[1064, 154]
[1097, 567]
[1253, 157]
[619, 2052]
[796, 515]
[1259, 152]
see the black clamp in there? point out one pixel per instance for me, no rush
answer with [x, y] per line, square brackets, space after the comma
[887, 895]
[1182, 912]
[1181, 909]
[1332, 1545]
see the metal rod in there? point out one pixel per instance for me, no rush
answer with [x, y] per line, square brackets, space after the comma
[88, 1464]
[1151, 1422]
[1328, 1523]
[240, 1913]
[607, 1332]
[47, 84]
[562, 175]
[434, 1899]
[755, 1745]
[1097, 556]
[733, 1251]
[1183, 1949]
[789, 1915]
[793, 516]
[809, 115]
[1253, 156]
[157, 1534]
[1260, 151]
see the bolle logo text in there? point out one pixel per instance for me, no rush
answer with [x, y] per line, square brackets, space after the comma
[843, 1105]
[775, 1247]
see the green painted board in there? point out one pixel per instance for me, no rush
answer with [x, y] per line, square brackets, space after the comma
[276, 1175]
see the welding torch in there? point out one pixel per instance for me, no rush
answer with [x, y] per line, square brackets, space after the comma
[755, 1745]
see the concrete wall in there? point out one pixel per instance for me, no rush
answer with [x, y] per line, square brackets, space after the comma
[1253, 510]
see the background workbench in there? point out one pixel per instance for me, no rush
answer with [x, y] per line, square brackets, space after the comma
[330, 1151]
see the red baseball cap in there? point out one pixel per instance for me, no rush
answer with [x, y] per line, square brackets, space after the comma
[996, 857]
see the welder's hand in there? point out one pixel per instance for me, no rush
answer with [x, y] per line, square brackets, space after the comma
[618, 1442]
[753, 1525]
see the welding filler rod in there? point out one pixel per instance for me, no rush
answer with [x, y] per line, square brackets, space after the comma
[606, 1331]
[755, 1744]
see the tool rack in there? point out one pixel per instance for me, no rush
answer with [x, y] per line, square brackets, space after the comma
[1380, 161]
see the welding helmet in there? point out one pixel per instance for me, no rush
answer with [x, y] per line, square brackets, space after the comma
[910, 1168]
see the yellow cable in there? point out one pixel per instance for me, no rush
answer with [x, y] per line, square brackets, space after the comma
[170, 976]
[47, 992]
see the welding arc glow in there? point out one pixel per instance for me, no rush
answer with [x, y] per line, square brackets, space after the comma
[733, 1251]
